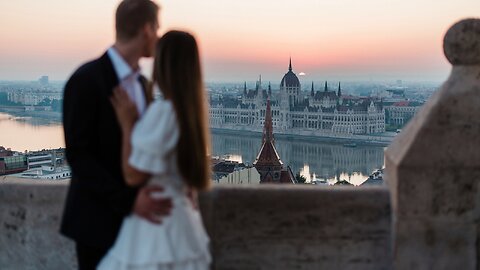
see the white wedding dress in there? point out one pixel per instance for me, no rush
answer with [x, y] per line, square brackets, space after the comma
[180, 241]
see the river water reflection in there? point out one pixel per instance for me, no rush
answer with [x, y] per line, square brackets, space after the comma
[27, 131]
[314, 160]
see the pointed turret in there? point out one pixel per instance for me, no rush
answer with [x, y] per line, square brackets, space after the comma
[245, 88]
[268, 125]
[268, 163]
[290, 65]
[312, 92]
[269, 89]
[259, 83]
[339, 94]
[326, 86]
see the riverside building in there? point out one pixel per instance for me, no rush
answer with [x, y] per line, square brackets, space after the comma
[320, 113]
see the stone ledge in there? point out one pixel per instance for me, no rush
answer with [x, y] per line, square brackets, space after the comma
[299, 227]
[254, 227]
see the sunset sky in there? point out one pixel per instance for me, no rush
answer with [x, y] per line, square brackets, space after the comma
[327, 39]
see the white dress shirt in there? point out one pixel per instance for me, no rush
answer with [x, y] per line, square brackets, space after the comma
[129, 79]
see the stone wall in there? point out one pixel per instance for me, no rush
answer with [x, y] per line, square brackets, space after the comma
[30, 212]
[278, 227]
[433, 167]
[258, 227]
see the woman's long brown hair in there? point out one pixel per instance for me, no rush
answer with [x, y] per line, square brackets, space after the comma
[178, 73]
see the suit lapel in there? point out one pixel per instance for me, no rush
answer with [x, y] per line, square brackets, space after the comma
[111, 78]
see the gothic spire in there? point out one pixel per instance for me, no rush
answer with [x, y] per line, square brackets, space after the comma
[339, 94]
[268, 124]
[290, 65]
[245, 88]
[312, 92]
[269, 89]
[326, 86]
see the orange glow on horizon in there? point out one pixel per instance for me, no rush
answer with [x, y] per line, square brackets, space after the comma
[53, 37]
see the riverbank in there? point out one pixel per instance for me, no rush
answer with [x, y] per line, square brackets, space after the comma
[34, 117]
[383, 140]
[369, 140]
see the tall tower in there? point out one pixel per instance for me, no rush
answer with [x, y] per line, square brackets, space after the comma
[259, 93]
[268, 163]
[289, 96]
[290, 86]
[268, 125]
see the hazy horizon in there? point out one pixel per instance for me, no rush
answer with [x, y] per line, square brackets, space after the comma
[251, 82]
[343, 40]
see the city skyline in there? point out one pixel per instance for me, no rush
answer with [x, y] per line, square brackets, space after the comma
[334, 40]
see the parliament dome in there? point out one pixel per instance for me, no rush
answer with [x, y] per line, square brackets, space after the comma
[290, 79]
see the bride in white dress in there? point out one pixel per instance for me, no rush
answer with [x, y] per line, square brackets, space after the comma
[169, 147]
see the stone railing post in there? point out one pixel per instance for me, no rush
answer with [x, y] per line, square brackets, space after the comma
[433, 167]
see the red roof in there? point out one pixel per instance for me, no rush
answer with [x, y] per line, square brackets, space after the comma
[401, 103]
[268, 156]
[287, 176]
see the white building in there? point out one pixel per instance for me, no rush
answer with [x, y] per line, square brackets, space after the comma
[399, 113]
[245, 176]
[32, 98]
[326, 112]
[47, 173]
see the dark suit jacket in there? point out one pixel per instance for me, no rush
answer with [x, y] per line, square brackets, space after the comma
[98, 197]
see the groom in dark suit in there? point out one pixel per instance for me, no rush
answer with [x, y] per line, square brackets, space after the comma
[98, 198]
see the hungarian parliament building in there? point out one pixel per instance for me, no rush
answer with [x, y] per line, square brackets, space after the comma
[318, 113]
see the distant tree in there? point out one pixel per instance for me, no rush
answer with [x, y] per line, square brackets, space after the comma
[45, 102]
[392, 127]
[56, 105]
[387, 116]
[343, 183]
[300, 178]
[4, 100]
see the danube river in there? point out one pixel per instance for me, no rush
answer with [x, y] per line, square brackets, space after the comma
[313, 159]
[22, 131]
